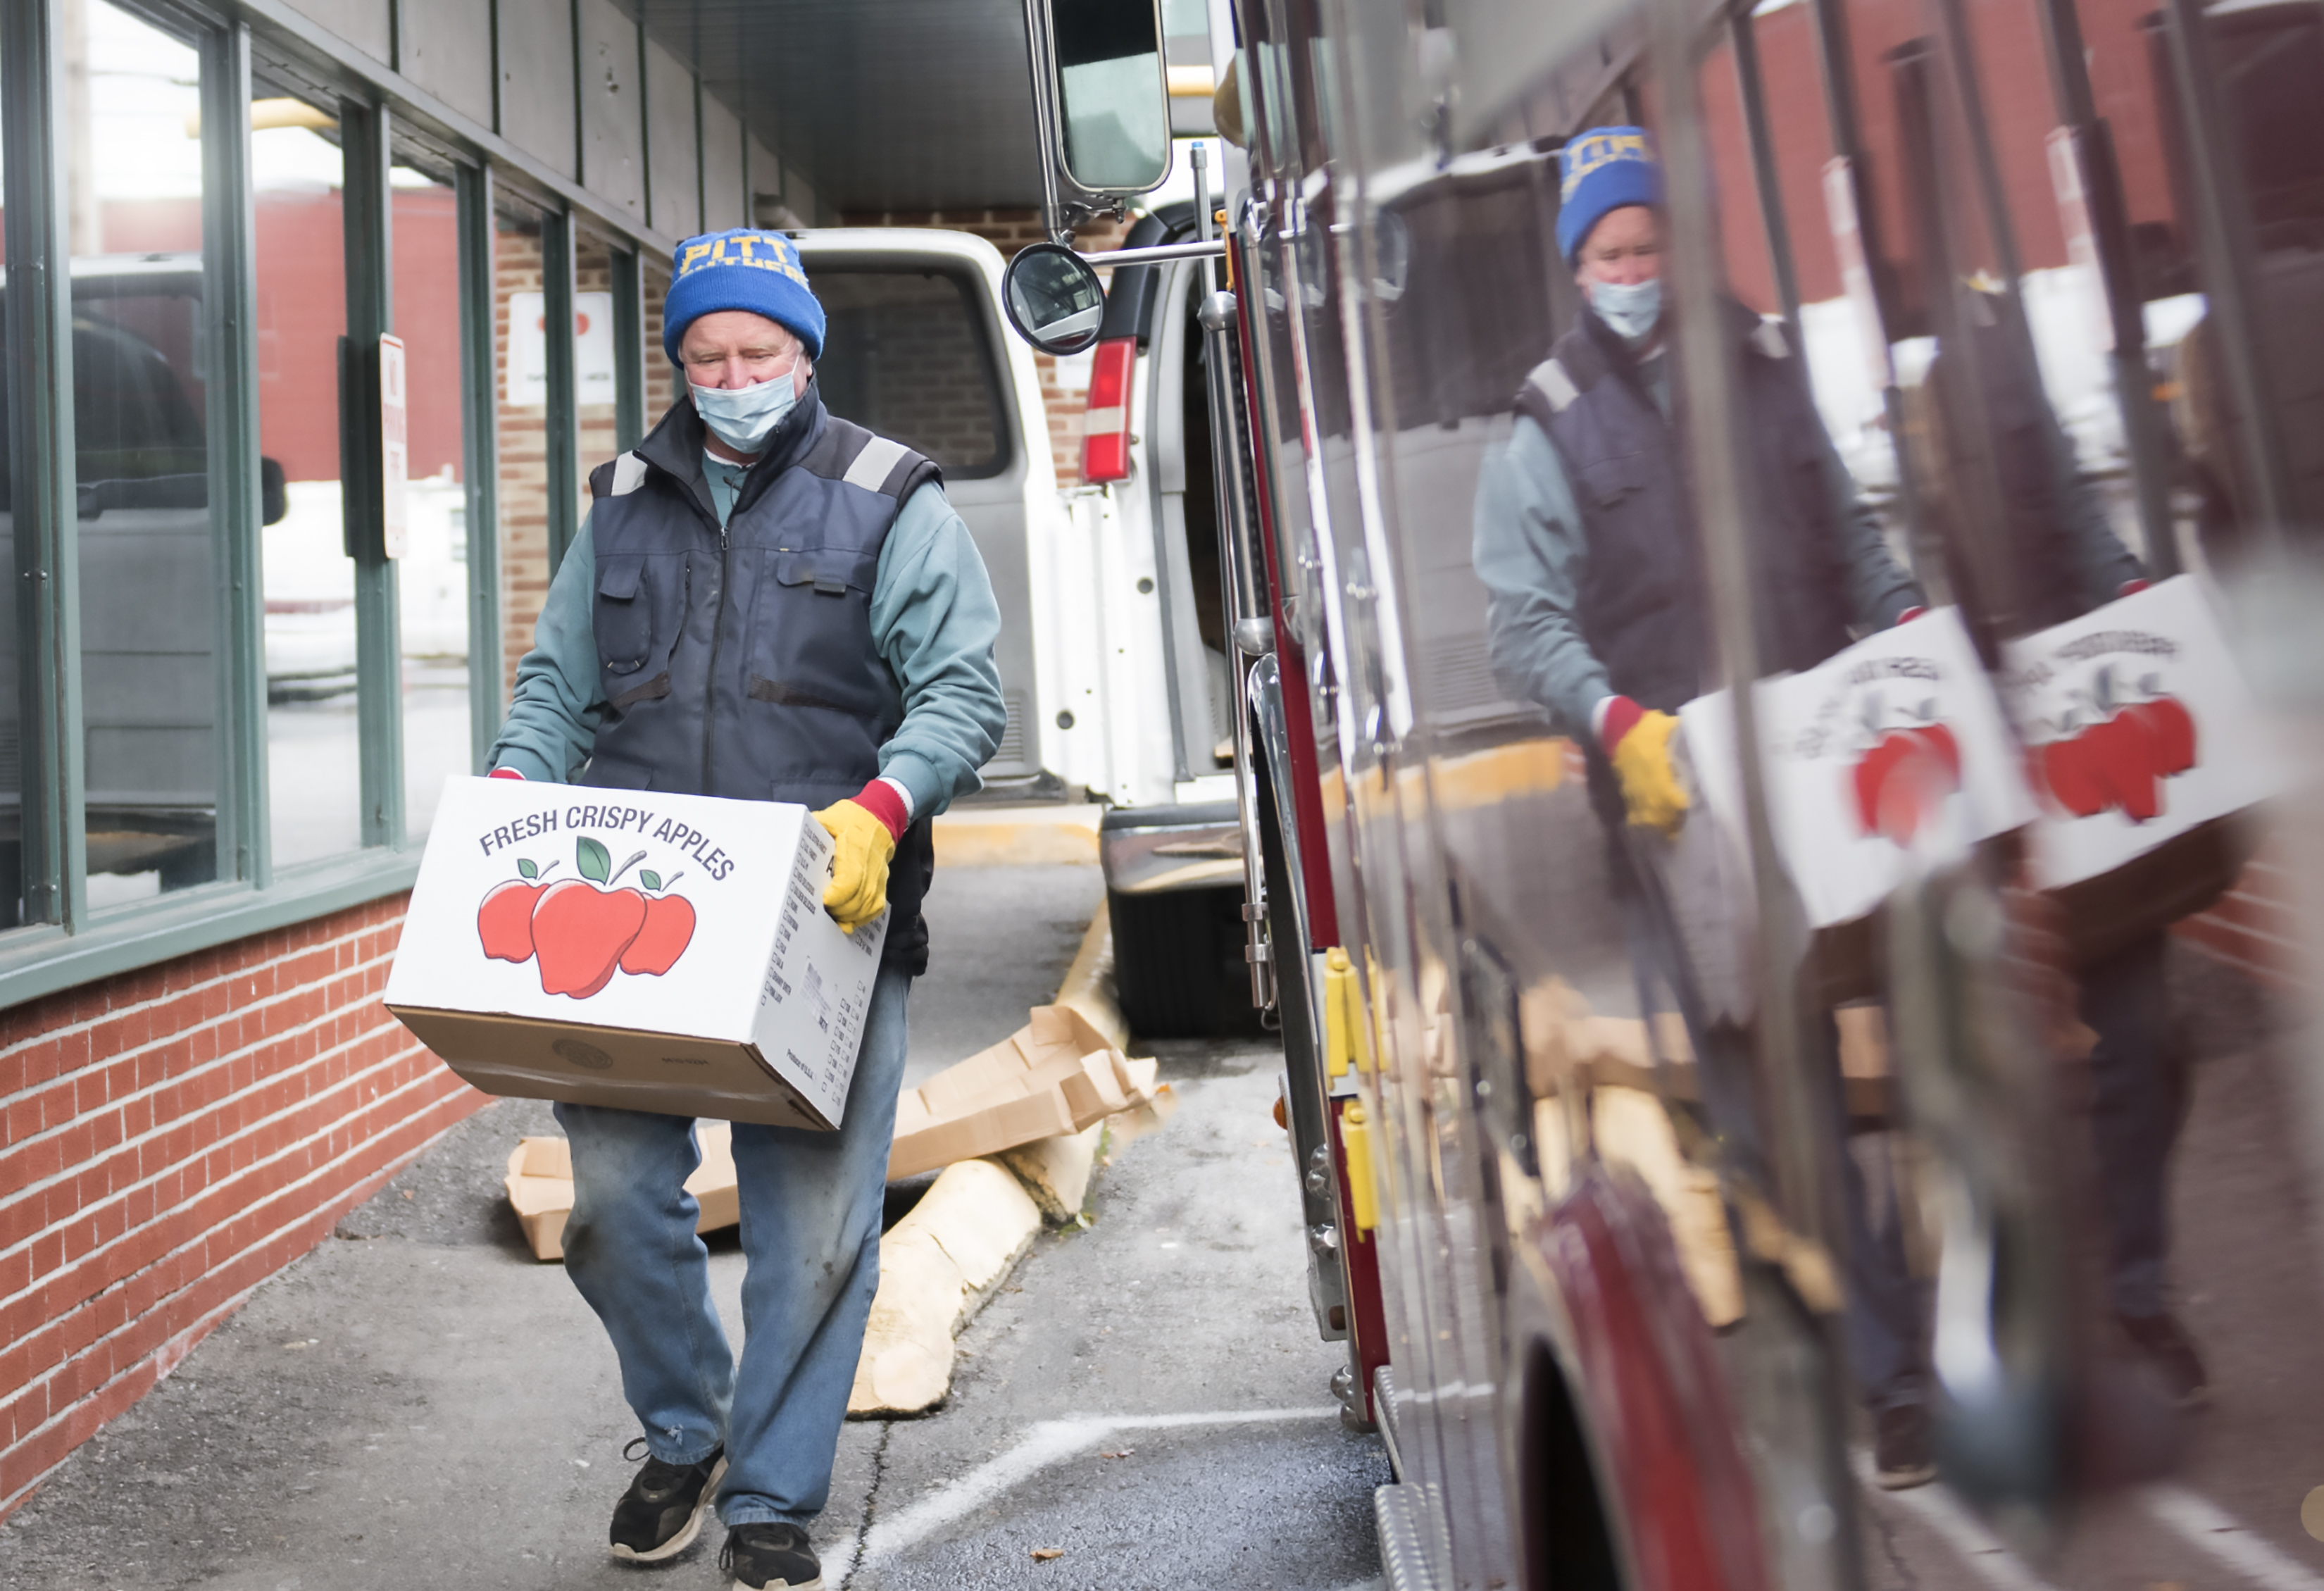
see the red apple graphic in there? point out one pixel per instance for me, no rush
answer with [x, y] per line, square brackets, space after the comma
[1871, 776]
[1903, 778]
[579, 932]
[504, 921]
[668, 929]
[2121, 760]
[2067, 773]
[2171, 729]
[1939, 739]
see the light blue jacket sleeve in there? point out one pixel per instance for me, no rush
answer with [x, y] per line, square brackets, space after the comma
[1530, 551]
[935, 621]
[1878, 589]
[552, 722]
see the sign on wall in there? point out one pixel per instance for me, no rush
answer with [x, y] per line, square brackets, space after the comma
[395, 447]
[527, 383]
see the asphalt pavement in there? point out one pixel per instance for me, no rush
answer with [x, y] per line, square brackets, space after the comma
[417, 1402]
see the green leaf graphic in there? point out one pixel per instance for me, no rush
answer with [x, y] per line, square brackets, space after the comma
[526, 868]
[593, 860]
[649, 878]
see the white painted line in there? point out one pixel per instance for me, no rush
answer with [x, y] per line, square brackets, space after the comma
[1044, 1444]
[1942, 1513]
[2204, 1524]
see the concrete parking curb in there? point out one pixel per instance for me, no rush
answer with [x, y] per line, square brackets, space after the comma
[1017, 836]
[937, 1267]
[940, 1262]
[1088, 986]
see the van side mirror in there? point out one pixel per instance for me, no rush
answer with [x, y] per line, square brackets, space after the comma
[1113, 95]
[1054, 299]
[273, 497]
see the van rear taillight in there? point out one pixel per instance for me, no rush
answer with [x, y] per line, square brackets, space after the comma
[1105, 427]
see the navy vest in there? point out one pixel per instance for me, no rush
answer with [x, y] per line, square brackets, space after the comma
[740, 664]
[1641, 606]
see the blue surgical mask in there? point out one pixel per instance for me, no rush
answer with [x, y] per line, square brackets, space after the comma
[1630, 308]
[744, 418]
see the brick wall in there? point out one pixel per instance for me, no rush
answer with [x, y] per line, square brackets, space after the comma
[1062, 390]
[171, 1138]
[524, 456]
[524, 464]
[2255, 929]
[902, 355]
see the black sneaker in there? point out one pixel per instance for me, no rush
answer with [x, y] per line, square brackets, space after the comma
[1903, 1453]
[661, 1514]
[771, 1557]
[2165, 1345]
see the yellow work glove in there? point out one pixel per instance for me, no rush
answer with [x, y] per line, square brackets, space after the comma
[863, 844]
[1650, 787]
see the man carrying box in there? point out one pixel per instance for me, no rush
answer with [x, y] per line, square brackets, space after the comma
[767, 603]
[1586, 541]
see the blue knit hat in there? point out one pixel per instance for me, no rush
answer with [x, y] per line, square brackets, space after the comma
[1600, 172]
[743, 269]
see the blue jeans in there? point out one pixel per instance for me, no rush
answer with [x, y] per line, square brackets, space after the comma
[811, 1205]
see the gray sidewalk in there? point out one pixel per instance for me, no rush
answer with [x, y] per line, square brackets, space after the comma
[419, 1403]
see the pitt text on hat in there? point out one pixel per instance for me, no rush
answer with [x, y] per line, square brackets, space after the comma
[1596, 150]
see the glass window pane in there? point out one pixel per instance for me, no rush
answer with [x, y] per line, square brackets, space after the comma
[520, 353]
[432, 576]
[592, 357]
[663, 385]
[906, 355]
[313, 763]
[149, 614]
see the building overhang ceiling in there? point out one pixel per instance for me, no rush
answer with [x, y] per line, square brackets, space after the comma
[883, 104]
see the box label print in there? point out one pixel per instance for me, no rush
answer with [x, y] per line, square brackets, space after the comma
[2138, 727]
[661, 953]
[1891, 753]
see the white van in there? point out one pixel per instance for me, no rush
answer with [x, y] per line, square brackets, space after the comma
[1112, 661]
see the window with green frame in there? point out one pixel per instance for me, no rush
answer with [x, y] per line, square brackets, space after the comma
[223, 707]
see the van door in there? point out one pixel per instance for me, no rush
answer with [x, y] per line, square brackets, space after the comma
[912, 351]
[1186, 529]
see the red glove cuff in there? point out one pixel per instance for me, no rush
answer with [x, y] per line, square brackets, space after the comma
[2132, 588]
[880, 799]
[1910, 614]
[1620, 717]
[504, 774]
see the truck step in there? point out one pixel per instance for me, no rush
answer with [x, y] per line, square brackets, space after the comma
[1396, 1513]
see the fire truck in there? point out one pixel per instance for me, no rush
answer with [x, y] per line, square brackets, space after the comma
[1610, 1133]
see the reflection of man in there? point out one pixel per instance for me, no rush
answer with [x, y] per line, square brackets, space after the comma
[2061, 559]
[766, 604]
[1586, 541]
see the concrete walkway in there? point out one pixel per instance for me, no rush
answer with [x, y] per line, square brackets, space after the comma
[418, 1403]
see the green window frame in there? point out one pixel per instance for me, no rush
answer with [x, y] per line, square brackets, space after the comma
[64, 942]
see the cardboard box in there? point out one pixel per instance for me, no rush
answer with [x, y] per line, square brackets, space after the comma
[1054, 1075]
[651, 952]
[540, 1186]
[2139, 730]
[1890, 754]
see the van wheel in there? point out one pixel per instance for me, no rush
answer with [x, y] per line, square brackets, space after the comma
[1178, 963]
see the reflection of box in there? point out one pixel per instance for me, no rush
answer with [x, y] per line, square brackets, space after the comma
[2139, 725]
[652, 952]
[1888, 753]
[1054, 1075]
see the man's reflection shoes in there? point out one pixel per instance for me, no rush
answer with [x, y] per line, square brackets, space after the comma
[2165, 1345]
[1904, 1452]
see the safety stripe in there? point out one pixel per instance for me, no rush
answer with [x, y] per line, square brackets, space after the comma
[1769, 340]
[1551, 381]
[869, 471]
[629, 474]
